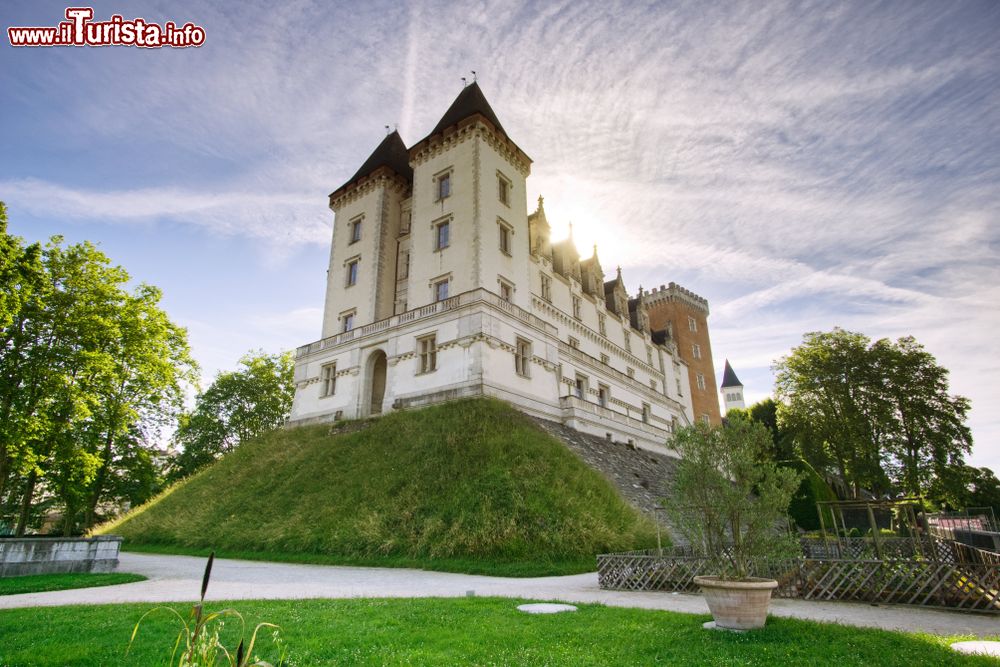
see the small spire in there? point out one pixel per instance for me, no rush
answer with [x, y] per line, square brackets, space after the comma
[595, 250]
[474, 79]
[387, 132]
[571, 230]
[619, 272]
[541, 202]
[464, 82]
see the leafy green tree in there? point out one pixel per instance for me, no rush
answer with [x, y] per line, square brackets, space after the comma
[878, 415]
[237, 406]
[929, 437]
[82, 361]
[727, 492]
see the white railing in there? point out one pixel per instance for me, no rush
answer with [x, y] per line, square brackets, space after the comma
[458, 301]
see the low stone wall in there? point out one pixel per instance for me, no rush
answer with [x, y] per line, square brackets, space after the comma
[50, 555]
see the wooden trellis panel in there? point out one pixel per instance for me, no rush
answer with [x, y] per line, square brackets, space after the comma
[938, 573]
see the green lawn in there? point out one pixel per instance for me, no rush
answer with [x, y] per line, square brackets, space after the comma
[464, 631]
[39, 583]
[471, 486]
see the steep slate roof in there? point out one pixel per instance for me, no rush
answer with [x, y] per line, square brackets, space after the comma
[390, 153]
[468, 103]
[729, 378]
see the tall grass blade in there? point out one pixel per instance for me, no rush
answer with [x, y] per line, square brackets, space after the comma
[208, 573]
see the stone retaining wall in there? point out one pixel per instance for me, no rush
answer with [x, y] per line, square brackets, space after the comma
[50, 555]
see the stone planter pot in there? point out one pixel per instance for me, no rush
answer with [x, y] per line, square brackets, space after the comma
[737, 605]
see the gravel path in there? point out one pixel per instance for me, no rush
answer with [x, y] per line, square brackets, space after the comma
[178, 579]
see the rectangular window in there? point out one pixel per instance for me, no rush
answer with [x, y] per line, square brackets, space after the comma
[602, 324]
[678, 381]
[576, 307]
[506, 291]
[441, 290]
[546, 288]
[700, 379]
[347, 321]
[649, 355]
[328, 380]
[705, 419]
[602, 395]
[503, 190]
[645, 413]
[404, 265]
[427, 349]
[355, 231]
[696, 351]
[580, 388]
[352, 272]
[505, 234]
[692, 324]
[522, 357]
[404, 223]
[628, 343]
[444, 185]
[605, 359]
[442, 235]
[574, 343]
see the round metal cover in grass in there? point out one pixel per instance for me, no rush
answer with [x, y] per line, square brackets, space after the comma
[978, 648]
[545, 608]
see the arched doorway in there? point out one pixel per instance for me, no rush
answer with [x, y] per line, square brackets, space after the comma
[377, 365]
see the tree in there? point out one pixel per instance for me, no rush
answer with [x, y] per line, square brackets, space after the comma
[729, 498]
[237, 406]
[82, 361]
[878, 416]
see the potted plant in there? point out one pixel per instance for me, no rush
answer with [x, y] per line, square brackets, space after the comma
[730, 502]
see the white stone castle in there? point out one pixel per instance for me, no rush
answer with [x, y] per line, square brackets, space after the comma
[441, 286]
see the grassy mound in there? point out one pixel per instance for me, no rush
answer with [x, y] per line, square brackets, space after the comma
[472, 486]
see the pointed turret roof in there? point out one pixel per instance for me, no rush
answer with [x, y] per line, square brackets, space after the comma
[469, 102]
[390, 153]
[729, 378]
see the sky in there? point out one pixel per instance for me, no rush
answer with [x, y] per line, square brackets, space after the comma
[800, 165]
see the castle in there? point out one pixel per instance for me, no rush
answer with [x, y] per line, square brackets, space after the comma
[441, 285]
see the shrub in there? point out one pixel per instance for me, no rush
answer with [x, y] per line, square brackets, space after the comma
[729, 499]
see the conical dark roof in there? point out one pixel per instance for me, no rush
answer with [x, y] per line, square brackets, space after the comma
[729, 378]
[468, 103]
[390, 153]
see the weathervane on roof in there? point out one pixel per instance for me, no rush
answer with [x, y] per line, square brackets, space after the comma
[474, 76]
[464, 82]
[387, 130]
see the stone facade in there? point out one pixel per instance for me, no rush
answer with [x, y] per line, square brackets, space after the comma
[442, 286]
[684, 315]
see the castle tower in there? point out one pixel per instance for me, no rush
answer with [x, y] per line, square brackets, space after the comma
[368, 214]
[441, 286]
[469, 196]
[684, 316]
[732, 389]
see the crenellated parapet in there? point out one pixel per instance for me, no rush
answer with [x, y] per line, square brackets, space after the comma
[674, 292]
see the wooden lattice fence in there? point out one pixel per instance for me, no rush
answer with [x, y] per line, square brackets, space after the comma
[934, 573]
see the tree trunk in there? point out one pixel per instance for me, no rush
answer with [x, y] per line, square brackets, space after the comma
[29, 494]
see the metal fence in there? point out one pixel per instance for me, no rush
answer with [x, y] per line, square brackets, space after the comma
[927, 572]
